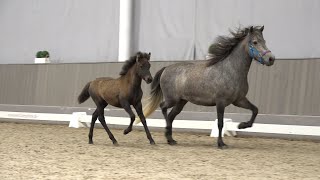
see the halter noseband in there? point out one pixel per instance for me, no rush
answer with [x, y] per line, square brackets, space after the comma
[253, 52]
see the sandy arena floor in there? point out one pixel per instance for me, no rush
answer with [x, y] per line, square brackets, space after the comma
[34, 151]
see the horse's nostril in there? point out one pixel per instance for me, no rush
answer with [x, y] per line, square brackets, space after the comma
[271, 59]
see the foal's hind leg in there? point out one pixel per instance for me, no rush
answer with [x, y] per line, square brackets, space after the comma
[93, 121]
[104, 124]
[245, 103]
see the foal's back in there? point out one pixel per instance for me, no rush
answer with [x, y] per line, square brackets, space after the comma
[106, 88]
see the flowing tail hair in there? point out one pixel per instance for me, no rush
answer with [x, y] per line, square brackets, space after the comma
[155, 98]
[84, 95]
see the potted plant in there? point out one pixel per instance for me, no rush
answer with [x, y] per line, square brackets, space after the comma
[42, 57]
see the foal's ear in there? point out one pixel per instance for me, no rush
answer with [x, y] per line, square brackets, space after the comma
[149, 55]
[251, 29]
[138, 56]
[261, 29]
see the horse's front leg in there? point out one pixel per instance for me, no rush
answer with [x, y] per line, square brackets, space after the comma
[138, 107]
[246, 104]
[220, 113]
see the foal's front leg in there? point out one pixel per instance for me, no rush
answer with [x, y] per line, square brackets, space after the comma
[126, 106]
[138, 108]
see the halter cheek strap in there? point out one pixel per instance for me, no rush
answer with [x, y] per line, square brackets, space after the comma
[253, 52]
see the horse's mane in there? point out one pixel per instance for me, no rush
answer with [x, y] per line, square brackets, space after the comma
[130, 62]
[224, 45]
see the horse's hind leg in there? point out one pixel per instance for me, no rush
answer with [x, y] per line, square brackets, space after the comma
[246, 104]
[164, 108]
[93, 121]
[169, 118]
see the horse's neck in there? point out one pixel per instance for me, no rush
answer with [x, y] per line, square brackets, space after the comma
[239, 61]
[133, 79]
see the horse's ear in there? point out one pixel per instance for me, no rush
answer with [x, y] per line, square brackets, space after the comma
[261, 29]
[246, 30]
[251, 29]
[149, 55]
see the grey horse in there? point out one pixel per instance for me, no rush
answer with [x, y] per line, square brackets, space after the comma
[218, 81]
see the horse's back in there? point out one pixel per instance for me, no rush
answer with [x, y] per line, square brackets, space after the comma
[178, 79]
[198, 83]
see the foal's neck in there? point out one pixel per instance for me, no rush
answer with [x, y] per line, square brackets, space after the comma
[134, 81]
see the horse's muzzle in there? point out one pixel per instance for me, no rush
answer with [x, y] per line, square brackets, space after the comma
[271, 60]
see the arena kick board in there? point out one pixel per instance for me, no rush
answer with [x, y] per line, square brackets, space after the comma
[81, 119]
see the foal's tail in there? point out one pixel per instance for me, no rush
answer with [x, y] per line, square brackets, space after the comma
[155, 98]
[84, 95]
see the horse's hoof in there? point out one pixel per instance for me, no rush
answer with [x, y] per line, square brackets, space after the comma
[244, 125]
[126, 131]
[90, 142]
[172, 142]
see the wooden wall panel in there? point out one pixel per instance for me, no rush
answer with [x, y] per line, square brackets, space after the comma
[289, 87]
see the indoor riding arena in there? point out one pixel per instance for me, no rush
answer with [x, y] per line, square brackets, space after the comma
[162, 89]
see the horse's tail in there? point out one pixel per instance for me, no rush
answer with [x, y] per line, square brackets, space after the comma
[155, 98]
[84, 95]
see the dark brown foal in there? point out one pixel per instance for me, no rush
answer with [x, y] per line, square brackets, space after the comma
[121, 92]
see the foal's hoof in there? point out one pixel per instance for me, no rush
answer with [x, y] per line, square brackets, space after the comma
[152, 142]
[126, 131]
[172, 142]
[115, 143]
[244, 125]
[222, 145]
[90, 142]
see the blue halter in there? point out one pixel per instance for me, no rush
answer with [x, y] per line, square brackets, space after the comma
[253, 52]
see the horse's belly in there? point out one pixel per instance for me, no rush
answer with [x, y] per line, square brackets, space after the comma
[210, 96]
[203, 102]
[203, 98]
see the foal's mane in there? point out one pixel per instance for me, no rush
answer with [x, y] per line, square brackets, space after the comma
[130, 62]
[224, 45]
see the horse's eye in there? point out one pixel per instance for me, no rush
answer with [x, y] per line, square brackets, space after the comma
[255, 42]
